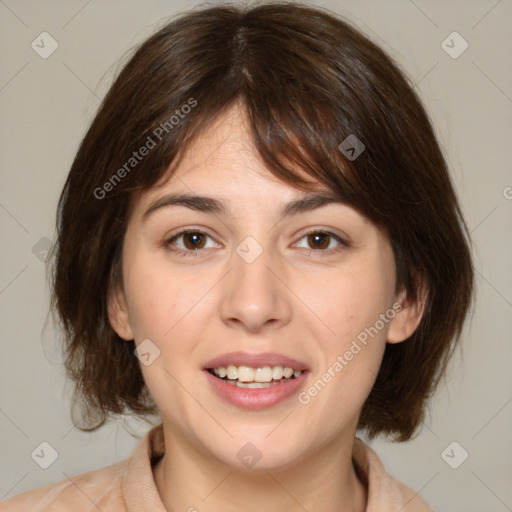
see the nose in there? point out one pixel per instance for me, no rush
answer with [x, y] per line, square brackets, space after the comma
[255, 295]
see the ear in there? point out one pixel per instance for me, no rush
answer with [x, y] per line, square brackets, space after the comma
[407, 318]
[118, 314]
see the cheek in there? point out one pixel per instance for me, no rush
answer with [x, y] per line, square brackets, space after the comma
[351, 336]
[358, 309]
[156, 299]
[347, 304]
[163, 307]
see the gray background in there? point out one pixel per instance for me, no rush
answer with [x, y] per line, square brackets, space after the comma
[45, 107]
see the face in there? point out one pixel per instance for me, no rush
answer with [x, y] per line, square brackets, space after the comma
[250, 289]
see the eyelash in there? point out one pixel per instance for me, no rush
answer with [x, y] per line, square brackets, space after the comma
[194, 252]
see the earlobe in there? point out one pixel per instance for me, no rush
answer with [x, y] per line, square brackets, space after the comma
[118, 314]
[407, 317]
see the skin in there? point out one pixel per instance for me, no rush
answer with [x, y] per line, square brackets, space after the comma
[294, 299]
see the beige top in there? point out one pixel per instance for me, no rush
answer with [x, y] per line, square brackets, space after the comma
[129, 486]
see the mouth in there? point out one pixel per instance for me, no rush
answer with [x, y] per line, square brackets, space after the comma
[255, 378]
[255, 381]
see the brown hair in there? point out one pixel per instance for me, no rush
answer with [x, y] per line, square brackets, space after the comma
[308, 81]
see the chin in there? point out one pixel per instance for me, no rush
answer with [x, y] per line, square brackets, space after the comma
[258, 448]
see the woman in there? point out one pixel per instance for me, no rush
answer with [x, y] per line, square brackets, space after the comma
[259, 240]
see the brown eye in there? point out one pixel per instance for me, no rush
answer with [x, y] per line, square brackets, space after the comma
[319, 240]
[192, 240]
[188, 243]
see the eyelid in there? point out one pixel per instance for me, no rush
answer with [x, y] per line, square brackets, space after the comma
[341, 239]
[329, 231]
[184, 231]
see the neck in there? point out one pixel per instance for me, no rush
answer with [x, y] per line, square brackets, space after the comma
[189, 479]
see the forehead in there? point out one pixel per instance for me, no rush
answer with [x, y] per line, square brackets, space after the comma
[222, 160]
[224, 147]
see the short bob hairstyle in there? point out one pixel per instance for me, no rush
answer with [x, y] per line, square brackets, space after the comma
[308, 81]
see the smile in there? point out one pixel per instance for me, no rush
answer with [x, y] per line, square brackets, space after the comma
[255, 378]
[254, 395]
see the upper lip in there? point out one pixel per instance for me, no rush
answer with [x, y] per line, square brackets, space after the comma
[255, 360]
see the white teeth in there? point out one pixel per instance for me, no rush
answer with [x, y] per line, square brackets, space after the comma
[245, 374]
[277, 372]
[287, 372]
[260, 375]
[232, 372]
[254, 385]
[263, 374]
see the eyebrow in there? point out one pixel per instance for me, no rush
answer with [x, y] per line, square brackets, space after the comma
[207, 204]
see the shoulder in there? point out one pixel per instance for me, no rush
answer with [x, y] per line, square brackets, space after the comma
[385, 493]
[86, 492]
[108, 489]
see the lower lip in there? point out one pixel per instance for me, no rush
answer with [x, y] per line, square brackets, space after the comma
[258, 398]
